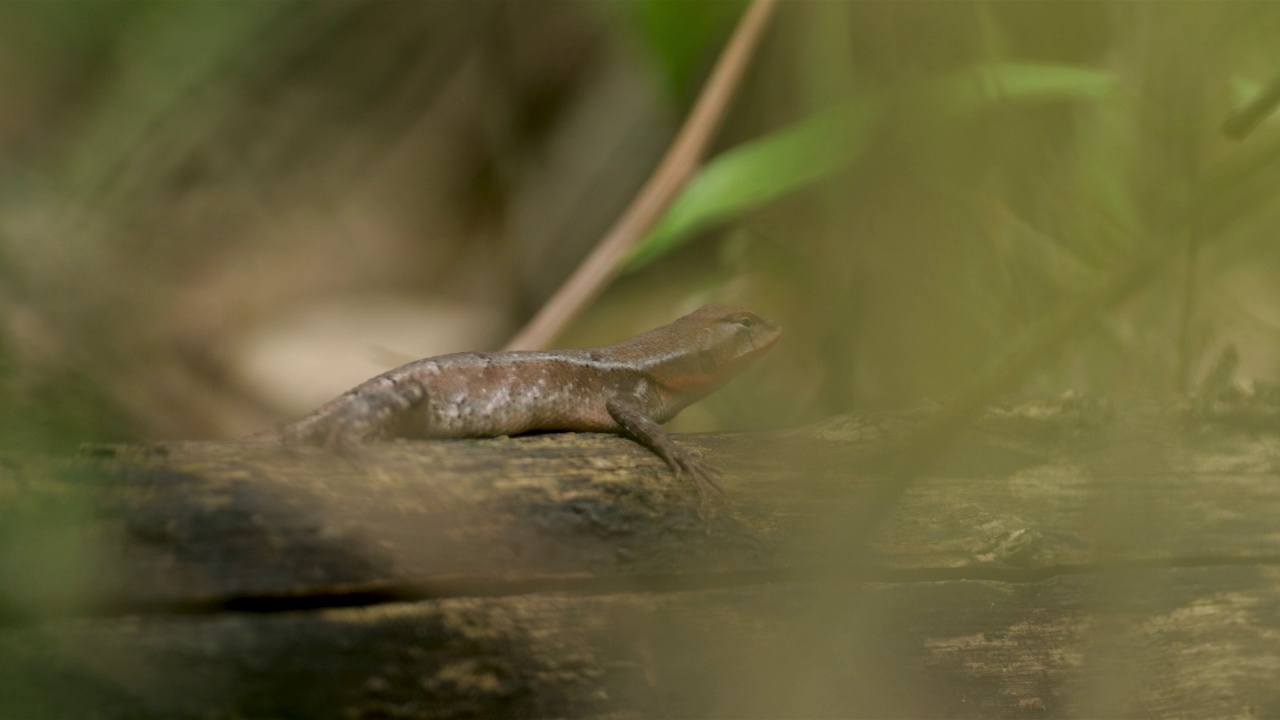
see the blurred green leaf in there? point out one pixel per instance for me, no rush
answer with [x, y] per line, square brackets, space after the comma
[760, 171]
[1255, 103]
[970, 91]
[1243, 90]
[789, 159]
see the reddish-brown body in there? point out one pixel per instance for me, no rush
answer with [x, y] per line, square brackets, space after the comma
[631, 387]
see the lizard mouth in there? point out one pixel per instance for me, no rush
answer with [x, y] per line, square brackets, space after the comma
[769, 334]
[765, 336]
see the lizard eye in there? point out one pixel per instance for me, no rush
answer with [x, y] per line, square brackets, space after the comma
[746, 322]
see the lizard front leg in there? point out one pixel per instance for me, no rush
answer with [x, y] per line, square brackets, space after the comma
[643, 429]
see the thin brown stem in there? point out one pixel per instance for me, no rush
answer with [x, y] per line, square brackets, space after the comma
[677, 166]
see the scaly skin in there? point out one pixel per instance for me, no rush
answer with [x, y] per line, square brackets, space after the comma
[631, 388]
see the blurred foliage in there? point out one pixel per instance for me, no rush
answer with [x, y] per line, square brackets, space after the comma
[684, 36]
[757, 172]
[912, 188]
[814, 149]
[924, 195]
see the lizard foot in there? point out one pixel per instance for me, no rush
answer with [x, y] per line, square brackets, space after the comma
[702, 474]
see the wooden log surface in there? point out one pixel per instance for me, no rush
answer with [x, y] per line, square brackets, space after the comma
[1130, 569]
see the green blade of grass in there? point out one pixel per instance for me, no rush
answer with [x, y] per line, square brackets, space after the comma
[761, 171]
[785, 161]
[972, 90]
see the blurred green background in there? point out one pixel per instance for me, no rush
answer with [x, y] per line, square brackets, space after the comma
[214, 216]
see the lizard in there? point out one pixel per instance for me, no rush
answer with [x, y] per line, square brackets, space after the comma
[631, 388]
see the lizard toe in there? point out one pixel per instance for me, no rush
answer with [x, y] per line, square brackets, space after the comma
[703, 478]
[702, 473]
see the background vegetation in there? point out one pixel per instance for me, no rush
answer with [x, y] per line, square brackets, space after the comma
[215, 215]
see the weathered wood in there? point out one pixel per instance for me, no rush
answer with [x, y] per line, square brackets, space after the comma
[1130, 569]
[1187, 642]
[209, 522]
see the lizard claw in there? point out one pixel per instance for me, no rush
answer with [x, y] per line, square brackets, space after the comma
[702, 474]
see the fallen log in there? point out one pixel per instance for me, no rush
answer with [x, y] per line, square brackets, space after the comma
[1127, 568]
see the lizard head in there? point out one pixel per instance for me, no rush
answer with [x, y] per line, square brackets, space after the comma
[703, 350]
